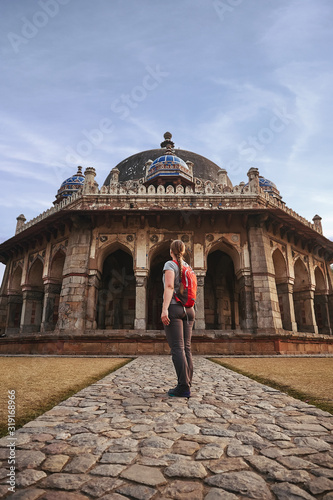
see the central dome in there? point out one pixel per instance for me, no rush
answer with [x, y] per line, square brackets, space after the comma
[134, 167]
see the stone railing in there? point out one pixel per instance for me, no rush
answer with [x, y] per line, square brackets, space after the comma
[50, 211]
[289, 211]
[138, 188]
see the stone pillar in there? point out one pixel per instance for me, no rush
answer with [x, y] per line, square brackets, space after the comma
[14, 310]
[253, 175]
[322, 314]
[89, 181]
[73, 297]
[20, 223]
[32, 309]
[4, 300]
[285, 291]
[51, 306]
[263, 277]
[93, 288]
[140, 322]
[317, 224]
[330, 308]
[200, 323]
[246, 304]
[222, 176]
[304, 311]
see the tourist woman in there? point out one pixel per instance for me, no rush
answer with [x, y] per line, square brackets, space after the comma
[178, 321]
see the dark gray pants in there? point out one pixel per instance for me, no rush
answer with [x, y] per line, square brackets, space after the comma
[178, 334]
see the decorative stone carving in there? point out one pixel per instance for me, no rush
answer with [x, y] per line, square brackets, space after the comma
[154, 238]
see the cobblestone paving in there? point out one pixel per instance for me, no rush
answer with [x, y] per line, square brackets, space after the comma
[122, 437]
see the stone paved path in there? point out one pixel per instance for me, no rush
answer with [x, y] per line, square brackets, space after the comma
[122, 437]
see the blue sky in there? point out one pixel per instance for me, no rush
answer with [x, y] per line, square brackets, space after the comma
[242, 82]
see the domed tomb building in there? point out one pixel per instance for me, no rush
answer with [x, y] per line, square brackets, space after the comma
[86, 275]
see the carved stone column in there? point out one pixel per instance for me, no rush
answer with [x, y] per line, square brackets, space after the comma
[246, 304]
[92, 298]
[140, 322]
[50, 308]
[73, 297]
[266, 302]
[32, 310]
[285, 294]
[304, 311]
[200, 323]
[322, 314]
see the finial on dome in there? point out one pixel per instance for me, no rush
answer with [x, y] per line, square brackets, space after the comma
[79, 171]
[167, 143]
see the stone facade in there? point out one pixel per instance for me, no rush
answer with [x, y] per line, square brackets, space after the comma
[92, 265]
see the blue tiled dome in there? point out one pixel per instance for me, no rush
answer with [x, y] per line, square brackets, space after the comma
[269, 187]
[71, 185]
[169, 161]
[169, 165]
[266, 184]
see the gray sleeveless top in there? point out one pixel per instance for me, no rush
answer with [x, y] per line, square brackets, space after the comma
[172, 266]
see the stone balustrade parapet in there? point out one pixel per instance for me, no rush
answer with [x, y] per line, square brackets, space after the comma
[139, 190]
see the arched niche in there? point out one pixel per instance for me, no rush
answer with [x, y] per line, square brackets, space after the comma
[221, 292]
[116, 296]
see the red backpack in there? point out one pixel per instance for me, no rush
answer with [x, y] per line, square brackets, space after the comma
[188, 292]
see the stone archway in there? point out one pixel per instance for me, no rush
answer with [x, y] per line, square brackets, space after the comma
[221, 292]
[33, 298]
[303, 297]
[52, 289]
[155, 286]
[116, 296]
[321, 303]
[15, 301]
[283, 289]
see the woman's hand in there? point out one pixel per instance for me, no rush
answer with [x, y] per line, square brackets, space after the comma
[165, 317]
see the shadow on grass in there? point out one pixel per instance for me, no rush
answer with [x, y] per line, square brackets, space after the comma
[302, 396]
[55, 400]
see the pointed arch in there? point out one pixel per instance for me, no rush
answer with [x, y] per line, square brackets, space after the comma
[110, 248]
[16, 278]
[302, 279]
[116, 296]
[224, 246]
[280, 266]
[57, 265]
[221, 291]
[35, 275]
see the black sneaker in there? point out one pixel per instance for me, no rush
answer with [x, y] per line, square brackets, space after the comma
[179, 393]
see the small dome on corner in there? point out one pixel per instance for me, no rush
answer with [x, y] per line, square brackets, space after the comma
[70, 185]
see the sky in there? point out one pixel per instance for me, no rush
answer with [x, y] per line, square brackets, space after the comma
[245, 83]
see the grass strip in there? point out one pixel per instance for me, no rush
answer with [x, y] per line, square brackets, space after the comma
[295, 393]
[56, 396]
